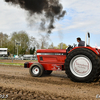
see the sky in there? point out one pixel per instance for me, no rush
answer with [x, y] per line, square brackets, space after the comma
[82, 16]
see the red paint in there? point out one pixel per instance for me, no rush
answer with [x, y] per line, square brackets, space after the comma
[51, 51]
[56, 62]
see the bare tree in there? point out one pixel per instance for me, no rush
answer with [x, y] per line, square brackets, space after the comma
[44, 42]
[3, 40]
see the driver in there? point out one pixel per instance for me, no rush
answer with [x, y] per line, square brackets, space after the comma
[80, 42]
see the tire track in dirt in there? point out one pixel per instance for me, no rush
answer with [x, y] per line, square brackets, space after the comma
[63, 81]
[54, 87]
[35, 79]
[16, 94]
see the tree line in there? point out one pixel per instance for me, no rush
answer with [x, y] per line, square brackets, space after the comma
[28, 44]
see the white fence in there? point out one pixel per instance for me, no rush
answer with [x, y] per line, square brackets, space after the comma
[19, 58]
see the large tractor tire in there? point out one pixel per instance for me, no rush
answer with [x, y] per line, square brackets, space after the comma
[36, 70]
[82, 65]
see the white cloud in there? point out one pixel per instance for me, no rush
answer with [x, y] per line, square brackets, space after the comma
[14, 19]
[82, 15]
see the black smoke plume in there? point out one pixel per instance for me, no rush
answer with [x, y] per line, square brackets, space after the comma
[51, 9]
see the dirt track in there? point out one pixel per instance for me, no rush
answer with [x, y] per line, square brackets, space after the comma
[17, 83]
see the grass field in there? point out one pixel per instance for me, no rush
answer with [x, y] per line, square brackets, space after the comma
[18, 64]
[15, 62]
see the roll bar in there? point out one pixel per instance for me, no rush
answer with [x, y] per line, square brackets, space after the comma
[87, 34]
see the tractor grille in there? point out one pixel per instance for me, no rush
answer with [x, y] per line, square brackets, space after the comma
[41, 58]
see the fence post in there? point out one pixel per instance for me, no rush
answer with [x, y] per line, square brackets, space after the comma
[31, 58]
[12, 59]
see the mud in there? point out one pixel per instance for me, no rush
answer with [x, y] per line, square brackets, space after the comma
[17, 84]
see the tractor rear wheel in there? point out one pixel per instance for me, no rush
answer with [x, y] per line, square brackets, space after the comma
[36, 70]
[82, 65]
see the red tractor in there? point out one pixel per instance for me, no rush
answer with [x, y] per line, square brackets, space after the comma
[81, 64]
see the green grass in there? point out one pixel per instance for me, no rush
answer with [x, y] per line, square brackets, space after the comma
[18, 64]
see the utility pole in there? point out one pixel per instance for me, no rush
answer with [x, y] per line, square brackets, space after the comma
[17, 49]
[17, 44]
[14, 47]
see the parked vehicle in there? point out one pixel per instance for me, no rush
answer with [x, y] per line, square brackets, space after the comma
[3, 52]
[28, 57]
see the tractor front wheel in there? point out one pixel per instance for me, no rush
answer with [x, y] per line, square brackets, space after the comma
[36, 70]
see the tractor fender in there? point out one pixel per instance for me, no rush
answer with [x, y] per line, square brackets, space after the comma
[90, 48]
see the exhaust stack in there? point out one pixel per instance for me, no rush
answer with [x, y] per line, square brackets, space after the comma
[87, 34]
